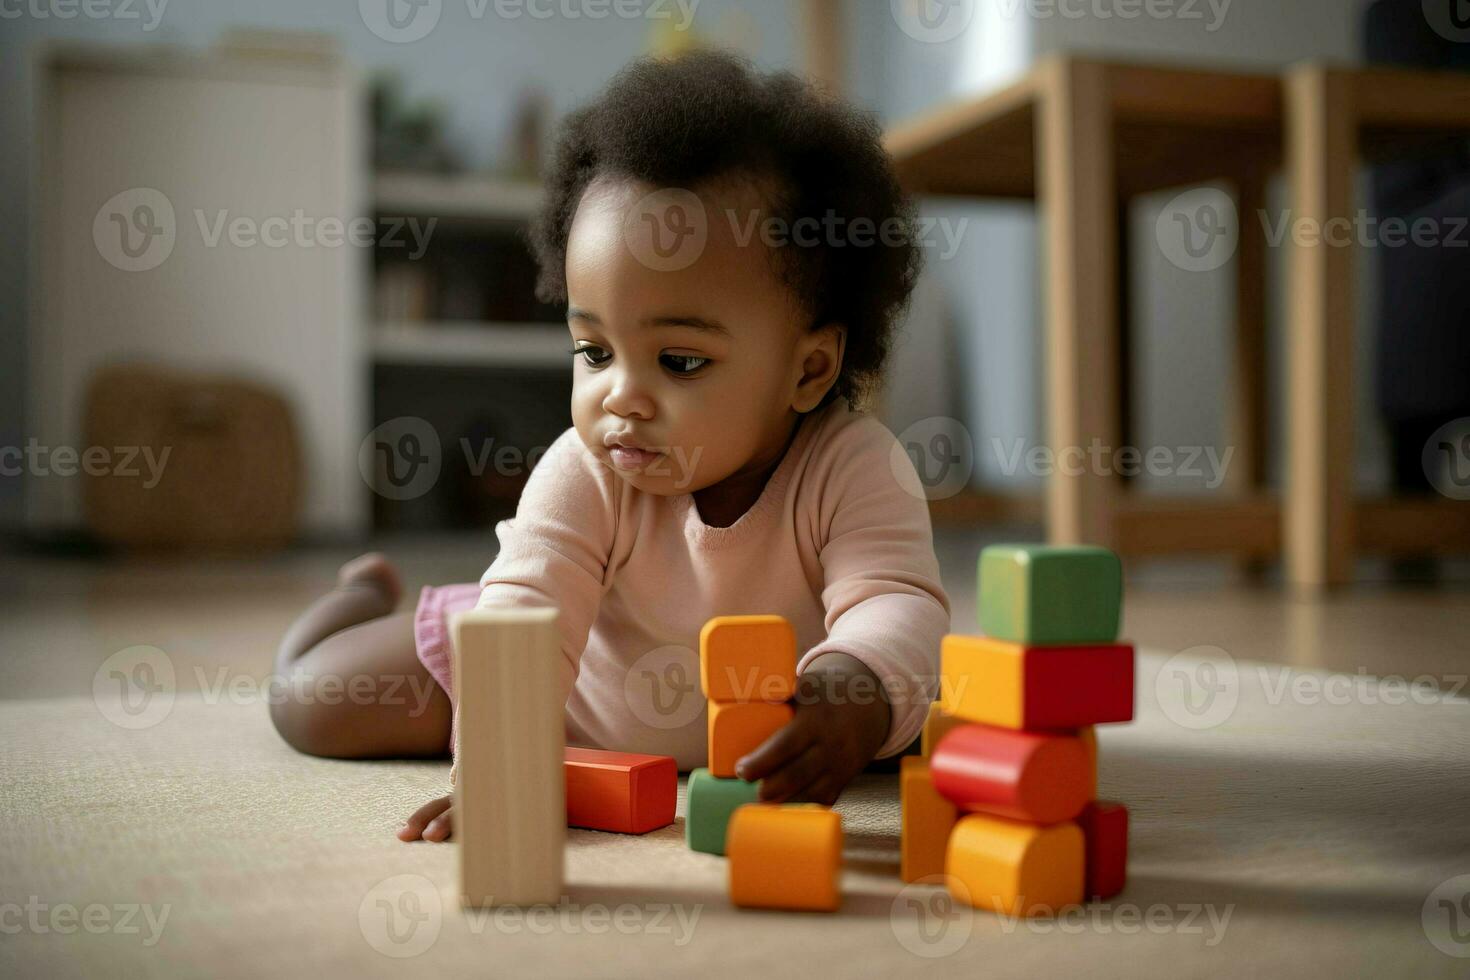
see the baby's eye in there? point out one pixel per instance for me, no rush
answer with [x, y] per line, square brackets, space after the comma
[592, 355]
[682, 363]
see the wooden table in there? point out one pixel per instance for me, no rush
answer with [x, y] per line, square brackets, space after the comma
[1082, 137]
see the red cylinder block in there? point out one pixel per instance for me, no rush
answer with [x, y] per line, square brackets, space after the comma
[1041, 778]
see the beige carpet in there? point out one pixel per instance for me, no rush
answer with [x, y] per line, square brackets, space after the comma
[1299, 839]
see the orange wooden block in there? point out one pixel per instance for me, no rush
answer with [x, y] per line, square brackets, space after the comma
[1088, 737]
[926, 819]
[785, 856]
[935, 727]
[1032, 776]
[736, 728]
[747, 658]
[1010, 685]
[624, 792]
[1013, 867]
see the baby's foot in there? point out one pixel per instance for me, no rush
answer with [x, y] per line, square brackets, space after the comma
[372, 571]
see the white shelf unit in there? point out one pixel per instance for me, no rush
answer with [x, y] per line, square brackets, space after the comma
[451, 343]
[461, 198]
[476, 196]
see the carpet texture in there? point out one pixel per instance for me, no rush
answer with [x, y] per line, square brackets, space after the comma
[1293, 835]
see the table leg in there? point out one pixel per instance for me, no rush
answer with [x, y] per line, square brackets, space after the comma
[1077, 193]
[1321, 152]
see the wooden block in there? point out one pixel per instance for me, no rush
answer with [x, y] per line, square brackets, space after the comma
[623, 792]
[1050, 595]
[1032, 776]
[737, 728]
[747, 658]
[785, 857]
[1105, 835]
[711, 802]
[1088, 737]
[1010, 685]
[1013, 867]
[509, 798]
[935, 726]
[926, 819]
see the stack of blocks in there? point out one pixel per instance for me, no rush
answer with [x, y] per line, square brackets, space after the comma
[781, 856]
[1002, 802]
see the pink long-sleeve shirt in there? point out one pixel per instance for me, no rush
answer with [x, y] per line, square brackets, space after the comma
[839, 542]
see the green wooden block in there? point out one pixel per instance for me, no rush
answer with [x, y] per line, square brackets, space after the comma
[1050, 595]
[711, 801]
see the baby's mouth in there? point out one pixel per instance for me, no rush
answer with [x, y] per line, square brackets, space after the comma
[626, 458]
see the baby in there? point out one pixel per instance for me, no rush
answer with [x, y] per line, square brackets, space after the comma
[733, 251]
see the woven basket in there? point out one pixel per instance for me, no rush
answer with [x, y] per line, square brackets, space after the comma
[232, 477]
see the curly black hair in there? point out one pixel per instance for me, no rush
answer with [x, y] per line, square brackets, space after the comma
[708, 116]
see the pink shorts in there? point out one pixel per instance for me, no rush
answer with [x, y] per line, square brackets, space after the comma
[431, 626]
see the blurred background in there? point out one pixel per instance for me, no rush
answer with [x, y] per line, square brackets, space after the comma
[266, 292]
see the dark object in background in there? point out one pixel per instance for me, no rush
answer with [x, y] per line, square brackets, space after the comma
[1423, 351]
[408, 136]
[231, 477]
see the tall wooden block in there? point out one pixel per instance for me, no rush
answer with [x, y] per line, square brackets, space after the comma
[711, 803]
[1010, 685]
[509, 798]
[785, 856]
[935, 726]
[1050, 595]
[1013, 867]
[926, 819]
[737, 728]
[623, 792]
[1105, 833]
[747, 658]
[1021, 775]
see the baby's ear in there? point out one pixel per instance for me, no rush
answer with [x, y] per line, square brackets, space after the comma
[819, 354]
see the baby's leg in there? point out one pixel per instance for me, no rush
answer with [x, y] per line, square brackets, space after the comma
[349, 681]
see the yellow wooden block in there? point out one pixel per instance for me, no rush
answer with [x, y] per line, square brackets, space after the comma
[785, 857]
[926, 819]
[1015, 868]
[935, 727]
[736, 728]
[747, 658]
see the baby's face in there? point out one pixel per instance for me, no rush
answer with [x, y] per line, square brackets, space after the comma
[684, 376]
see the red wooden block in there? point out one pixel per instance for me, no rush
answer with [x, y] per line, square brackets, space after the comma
[624, 792]
[1011, 685]
[1032, 776]
[1105, 832]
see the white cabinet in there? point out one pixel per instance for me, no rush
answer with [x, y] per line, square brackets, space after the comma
[231, 177]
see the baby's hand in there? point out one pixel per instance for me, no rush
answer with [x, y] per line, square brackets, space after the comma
[432, 821]
[837, 729]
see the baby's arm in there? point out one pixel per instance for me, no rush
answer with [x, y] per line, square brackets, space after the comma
[864, 690]
[555, 552]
